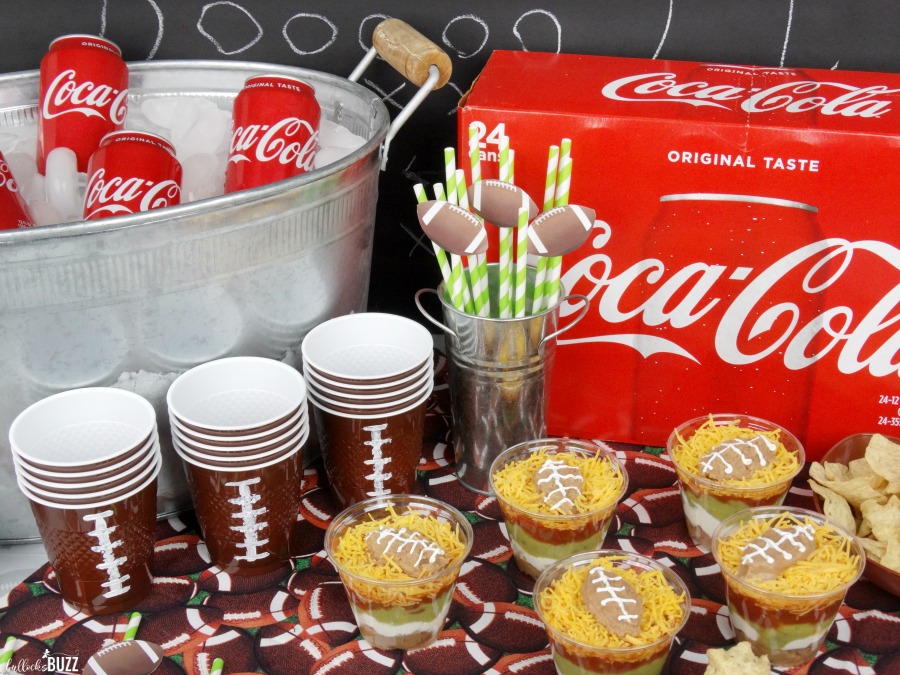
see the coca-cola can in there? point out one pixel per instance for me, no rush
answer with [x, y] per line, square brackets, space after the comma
[131, 171]
[83, 96]
[14, 211]
[275, 127]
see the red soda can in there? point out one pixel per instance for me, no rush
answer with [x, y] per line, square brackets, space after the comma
[83, 96]
[14, 211]
[275, 127]
[131, 171]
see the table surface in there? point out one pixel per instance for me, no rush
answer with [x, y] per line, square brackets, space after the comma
[298, 620]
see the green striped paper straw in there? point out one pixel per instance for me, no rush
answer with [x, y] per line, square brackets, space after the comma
[477, 264]
[453, 197]
[6, 656]
[131, 630]
[521, 260]
[538, 297]
[440, 254]
[456, 286]
[481, 270]
[505, 244]
[563, 183]
[217, 667]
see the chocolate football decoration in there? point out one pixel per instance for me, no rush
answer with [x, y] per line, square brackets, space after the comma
[452, 228]
[560, 230]
[499, 202]
[129, 657]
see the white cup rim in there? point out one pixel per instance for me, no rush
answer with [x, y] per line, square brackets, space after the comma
[73, 507]
[155, 463]
[311, 369]
[253, 467]
[174, 421]
[147, 447]
[19, 430]
[373, 417]
[374, 407]
[294, 389]
[280, 441]
[37, 481]
[405, 333]
[314, 380]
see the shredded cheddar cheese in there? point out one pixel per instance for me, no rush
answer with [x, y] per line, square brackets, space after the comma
[687, 453]
[830, 567]
[352, 553]
[564, 610]
[601, 487]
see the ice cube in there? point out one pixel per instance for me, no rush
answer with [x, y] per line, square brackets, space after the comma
[207, 135]
[161, 111]
[328, 155]
[202, 176]
[332, 134]
[61, 183]
[44, 213]
[23, 169]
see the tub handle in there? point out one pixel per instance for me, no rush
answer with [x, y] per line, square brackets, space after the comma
[571, 324]
[428, 316]
[415, 57]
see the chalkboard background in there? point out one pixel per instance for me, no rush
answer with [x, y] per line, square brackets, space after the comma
[332, 36]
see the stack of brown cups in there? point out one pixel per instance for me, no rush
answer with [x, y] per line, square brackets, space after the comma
[369, 377]
[240, 425]
[88, 459]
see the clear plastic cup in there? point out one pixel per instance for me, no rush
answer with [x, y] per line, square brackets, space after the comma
[399, 614]
[575, 656]
[788, 628]
[706, 502]
[539, 539]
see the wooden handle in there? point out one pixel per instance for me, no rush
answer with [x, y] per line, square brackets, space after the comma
[410, 52]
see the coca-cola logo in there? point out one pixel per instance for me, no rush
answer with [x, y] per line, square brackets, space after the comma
[6, 178]
[691, 307]
[65, 95]
[289, 141]
[801, 96]
[119, 196]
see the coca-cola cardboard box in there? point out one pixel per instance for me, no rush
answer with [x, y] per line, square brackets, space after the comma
[745, 257]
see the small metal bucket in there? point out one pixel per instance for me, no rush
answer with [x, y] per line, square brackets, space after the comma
[499, 379]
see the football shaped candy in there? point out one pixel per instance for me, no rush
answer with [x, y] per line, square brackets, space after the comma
[131, 657]
[452, 228]
[560, 230]
[499, 202]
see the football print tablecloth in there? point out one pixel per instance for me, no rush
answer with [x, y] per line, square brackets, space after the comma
[297, 619]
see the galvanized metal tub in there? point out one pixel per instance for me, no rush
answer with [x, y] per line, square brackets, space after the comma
[134, 300]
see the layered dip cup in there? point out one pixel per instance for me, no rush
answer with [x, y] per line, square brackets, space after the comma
[708, 501]
[788, 616]
[393, 609]
[539, 533]
[580, 643]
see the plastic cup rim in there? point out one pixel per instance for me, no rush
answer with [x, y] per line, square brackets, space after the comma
[36, 407]
[313, 379]
[73, 507]
[140, 466]
[301, 436]
[241, 469]
[155, 464]
[586, 557]
[716, 487]
[373, 417]
[302, 423]
[586, 447]
[423, 385]
[223, 363]
[176, 422]
[145, 448]
[773, 511]
[373, 503]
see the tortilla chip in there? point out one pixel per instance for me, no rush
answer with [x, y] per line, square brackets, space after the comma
[860, 468]
[864, 528]
[835, 506]
[884, 458]
[891, 557]
[738, 659]
[855, 490]
[875, 550]
[836, 471]
[892, 488]
[885, 518]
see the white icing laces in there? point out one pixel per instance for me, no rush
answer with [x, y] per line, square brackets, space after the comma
[414, 540]
[561, 477]
[603, 582]
[738, 449]
[793, 535]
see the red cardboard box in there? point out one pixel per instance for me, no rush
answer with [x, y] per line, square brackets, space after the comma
[745, 257]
